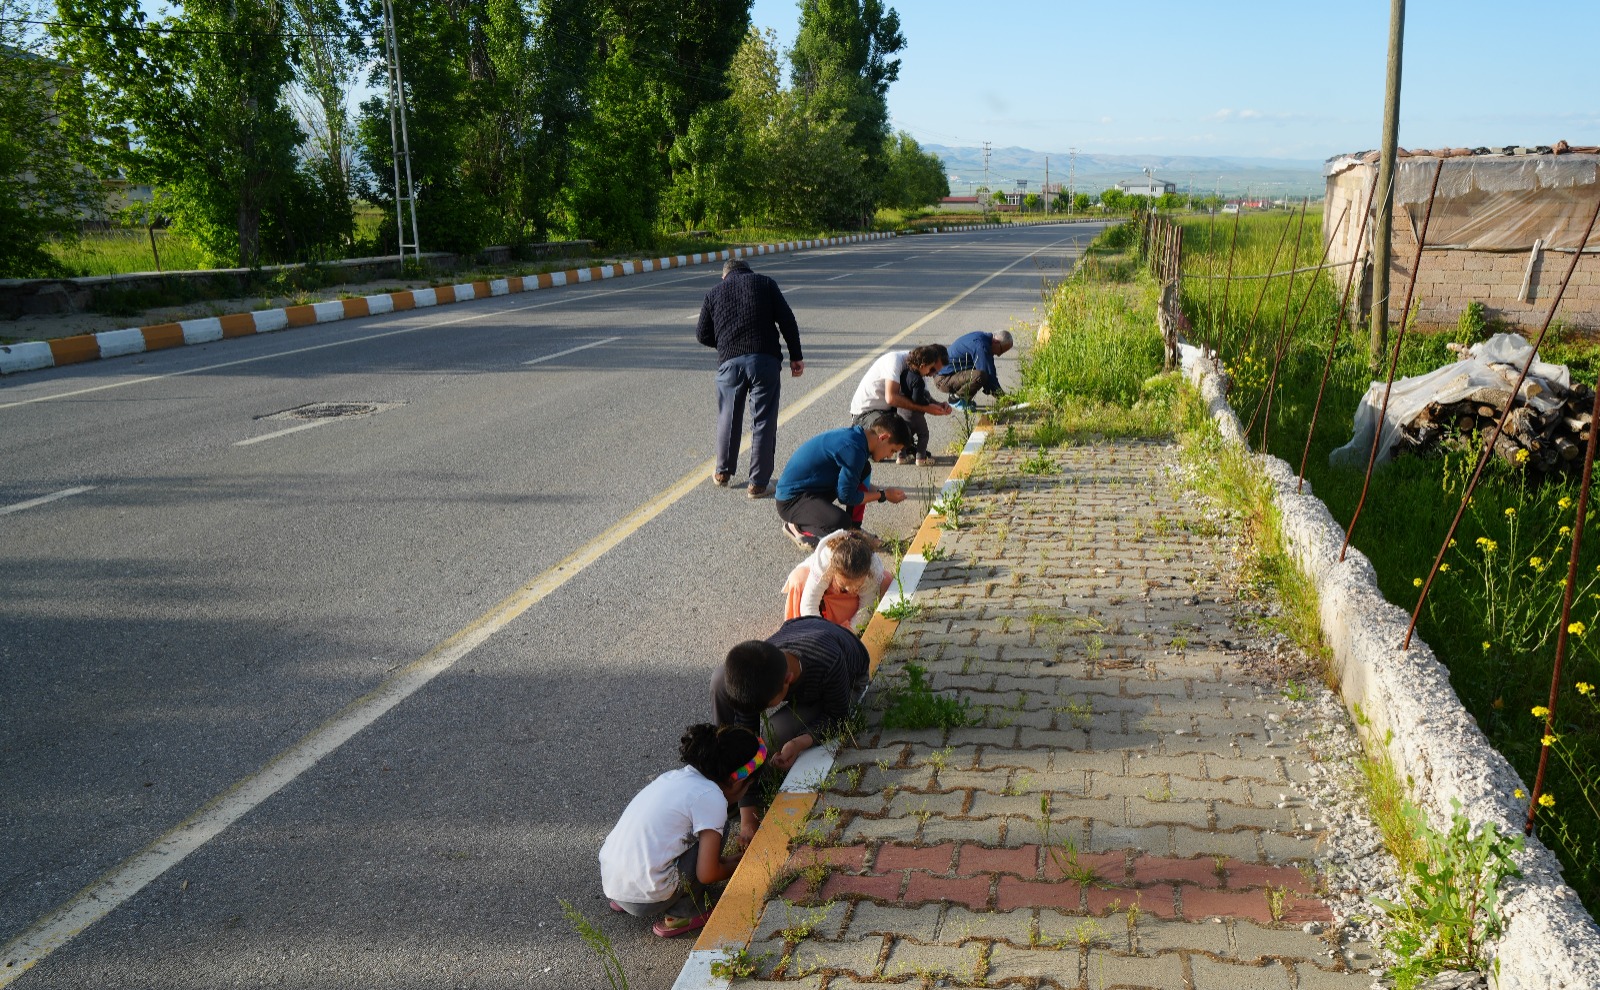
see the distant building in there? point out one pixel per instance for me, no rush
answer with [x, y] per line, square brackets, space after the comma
[1502, 231]
[1146, 186]
[959, 204]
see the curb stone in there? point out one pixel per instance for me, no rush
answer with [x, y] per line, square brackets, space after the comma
[1550, 940]
[38, 355]
[738, 911]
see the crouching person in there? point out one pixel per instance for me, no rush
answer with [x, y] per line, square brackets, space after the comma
[665, 853]
[810, 672]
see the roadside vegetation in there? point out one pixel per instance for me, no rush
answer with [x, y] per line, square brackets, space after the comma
[1490, 622]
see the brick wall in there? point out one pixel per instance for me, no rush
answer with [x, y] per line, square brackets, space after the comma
[1449, 280]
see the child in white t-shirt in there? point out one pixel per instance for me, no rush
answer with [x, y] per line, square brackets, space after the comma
[842, 578]
[665, 851]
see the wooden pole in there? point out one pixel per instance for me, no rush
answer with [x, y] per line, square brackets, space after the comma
[1382, 233]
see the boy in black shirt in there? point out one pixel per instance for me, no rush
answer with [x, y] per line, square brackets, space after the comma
[811, 670]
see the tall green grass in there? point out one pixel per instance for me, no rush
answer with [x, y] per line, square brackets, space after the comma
[1500, 673]
[118, 252]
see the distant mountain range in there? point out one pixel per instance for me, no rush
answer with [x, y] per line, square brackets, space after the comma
[1275, 177]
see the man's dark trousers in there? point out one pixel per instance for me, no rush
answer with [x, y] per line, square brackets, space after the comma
[760, 377]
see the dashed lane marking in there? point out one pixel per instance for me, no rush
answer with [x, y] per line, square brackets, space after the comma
[116, 886]
[44, 499]
[571, 350]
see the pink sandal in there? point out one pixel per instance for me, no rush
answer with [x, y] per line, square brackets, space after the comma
[673, 927]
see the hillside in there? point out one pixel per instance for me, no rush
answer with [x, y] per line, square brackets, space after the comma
[1275, 177]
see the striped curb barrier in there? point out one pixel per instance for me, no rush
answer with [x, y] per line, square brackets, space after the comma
[37, 355]
[734, 917]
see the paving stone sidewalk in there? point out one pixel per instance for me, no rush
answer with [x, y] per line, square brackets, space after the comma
[1129, 812]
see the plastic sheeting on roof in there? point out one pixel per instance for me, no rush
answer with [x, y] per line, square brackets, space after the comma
[1497, 202]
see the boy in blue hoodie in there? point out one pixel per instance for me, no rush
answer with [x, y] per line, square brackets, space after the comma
[826, 484]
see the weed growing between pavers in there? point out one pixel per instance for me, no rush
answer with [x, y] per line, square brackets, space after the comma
[915, 705]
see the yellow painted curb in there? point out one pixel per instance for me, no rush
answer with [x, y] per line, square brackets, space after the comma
[734, 918]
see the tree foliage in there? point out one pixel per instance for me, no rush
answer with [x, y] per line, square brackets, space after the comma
[46, 184]
[194, 102]
[914, 178]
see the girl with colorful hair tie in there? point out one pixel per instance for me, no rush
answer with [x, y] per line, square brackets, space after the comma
[665, 852]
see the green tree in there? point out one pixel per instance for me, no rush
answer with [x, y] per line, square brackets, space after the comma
[45, 184]
[1081, 202]
[1031, 202]
[842, 65]
[194, 102]
[915, 178]
[1114, 199]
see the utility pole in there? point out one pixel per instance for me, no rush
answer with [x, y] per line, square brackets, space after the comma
[405, 197]
[1381, 232]
[987, 191]
[1072, 180]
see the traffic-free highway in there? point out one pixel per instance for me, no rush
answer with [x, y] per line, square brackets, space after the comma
[354, 704]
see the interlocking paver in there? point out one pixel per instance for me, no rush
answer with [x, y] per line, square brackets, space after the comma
[1096, 644]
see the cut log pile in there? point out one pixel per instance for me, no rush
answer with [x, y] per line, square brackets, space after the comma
[1547, 431]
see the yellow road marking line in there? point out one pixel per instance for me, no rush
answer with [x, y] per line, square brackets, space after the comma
[122, 882]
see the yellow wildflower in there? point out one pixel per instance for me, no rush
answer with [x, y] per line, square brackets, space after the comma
[1452, 542]
[1548, 741]
[1486, 646]
[1565, 531]
[1537, 563]
[1518, 793]
[1521, 457]
[1584, 687]
[1577, 629]
[1443, 568]
[1565, 503]
[1547, 800]
[1497, 703]
[1416, 582]
[1510, 513]
[1540, 711]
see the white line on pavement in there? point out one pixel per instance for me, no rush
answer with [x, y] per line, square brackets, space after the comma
[42, 499]
[283, 433]
[838, 277]
[122, 882]
[571, 350]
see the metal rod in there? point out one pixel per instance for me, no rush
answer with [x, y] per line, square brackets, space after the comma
[1499, 430]
[1338, 326]
[1285, 337]
[1566, 611]
[1394, 362]
[1227, 281]
[1266, 282]
[1264, 400]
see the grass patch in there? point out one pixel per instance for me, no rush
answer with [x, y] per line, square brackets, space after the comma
[915, 705]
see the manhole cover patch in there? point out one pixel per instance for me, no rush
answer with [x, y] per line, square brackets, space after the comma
[331, 410]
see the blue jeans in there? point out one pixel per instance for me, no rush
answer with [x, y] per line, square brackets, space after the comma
[759, 377]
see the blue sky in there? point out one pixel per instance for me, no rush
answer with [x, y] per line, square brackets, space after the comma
[1277, 80]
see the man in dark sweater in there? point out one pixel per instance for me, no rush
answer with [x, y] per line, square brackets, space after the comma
[742, 318]
[813, 672]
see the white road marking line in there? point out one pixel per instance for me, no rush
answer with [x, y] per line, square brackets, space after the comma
[571, 350]
[43, 499]
[280, 433]
[122, 882]
[886, 264]
[838, 277]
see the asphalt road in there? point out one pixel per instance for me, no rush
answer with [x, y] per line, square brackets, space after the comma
[347, 687]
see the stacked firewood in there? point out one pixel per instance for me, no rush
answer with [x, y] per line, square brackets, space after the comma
[1547, 431]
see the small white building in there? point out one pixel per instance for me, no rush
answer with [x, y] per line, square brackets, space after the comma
[1146, 186]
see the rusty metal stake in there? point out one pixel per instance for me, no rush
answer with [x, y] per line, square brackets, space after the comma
[1338, 326]
[1394, 361]
[1294, 328]
[1499, 429]
[1265, 282]
[1264, 401]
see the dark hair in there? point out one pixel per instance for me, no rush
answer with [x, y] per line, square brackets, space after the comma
[898, 429]
[733, 265]
[929, 354]
[851, 554]
[715, 752]
[753, 674]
